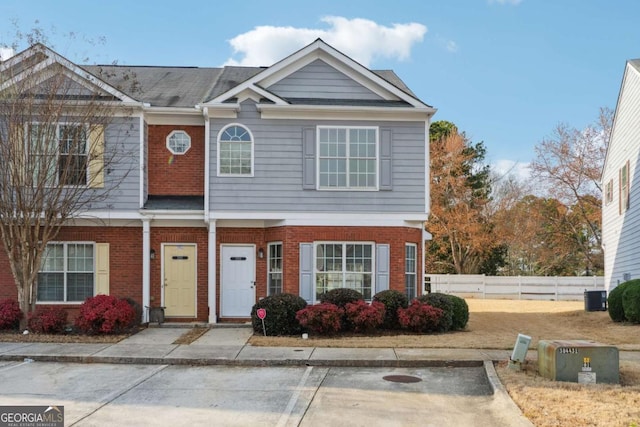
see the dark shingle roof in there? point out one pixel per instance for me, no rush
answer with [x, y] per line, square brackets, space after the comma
[188, 86]
[175, 203]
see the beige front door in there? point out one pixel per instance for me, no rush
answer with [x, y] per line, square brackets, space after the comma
[179, 280]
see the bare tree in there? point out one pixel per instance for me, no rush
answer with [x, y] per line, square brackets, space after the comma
[568, 165]
[54, 155]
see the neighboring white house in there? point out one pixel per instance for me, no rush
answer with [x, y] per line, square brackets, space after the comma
[621, 198]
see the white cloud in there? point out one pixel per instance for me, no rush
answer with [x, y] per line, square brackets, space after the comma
[512, 2]
[361, 39]
[519, 170]
[6, 53]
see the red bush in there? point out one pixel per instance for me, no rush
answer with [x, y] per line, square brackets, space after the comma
[47, 320]
[365, 317]
[321, 318]
[10, 314]
[104, 314]
[420, 317]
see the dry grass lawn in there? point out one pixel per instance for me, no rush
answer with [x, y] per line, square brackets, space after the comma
[494, 324]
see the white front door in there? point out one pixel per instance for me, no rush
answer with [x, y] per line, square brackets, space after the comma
[237, 277]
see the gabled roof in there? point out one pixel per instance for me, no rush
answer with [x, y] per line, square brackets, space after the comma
[632, 65]
[188, 87]
[384, 83]
[35, 61]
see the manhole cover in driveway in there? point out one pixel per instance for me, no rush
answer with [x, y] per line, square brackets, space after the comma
[402, 379]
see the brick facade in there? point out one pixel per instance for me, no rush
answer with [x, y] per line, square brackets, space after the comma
[125, 263]
[171, 174]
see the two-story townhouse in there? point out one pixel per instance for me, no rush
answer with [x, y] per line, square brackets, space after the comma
[620, 213]
[301, 177]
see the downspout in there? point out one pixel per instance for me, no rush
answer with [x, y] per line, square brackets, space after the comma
[427, 203]
[211, 225]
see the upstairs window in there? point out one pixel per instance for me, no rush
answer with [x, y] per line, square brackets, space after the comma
[624, 188]
[348, 158]
[58, 154]
[178, 142]
[608, 192]
[235, 151]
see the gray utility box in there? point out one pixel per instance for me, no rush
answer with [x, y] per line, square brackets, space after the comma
[578, 361]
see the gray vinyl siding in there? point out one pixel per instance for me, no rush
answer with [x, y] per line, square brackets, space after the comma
[319, 80]
[621, 231]
[145, 189]
[277, 184]
[122, 165]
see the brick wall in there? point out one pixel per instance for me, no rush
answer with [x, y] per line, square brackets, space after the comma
[125, 261]
[291, 237]
[176, 175]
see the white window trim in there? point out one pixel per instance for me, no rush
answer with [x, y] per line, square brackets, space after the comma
[415, 265]
[344, 243]
[269, 245]
[377, 161]
[175, 132]
[253, 144]
[57, 125]
[65, 243]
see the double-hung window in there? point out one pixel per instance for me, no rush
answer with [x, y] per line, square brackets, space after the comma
[58, 154]
[274, 275]
[348, 158]
[344, 265]
[410, 270]
[67, 272]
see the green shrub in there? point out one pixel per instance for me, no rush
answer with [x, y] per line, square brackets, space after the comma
[443, 302]
[325, 318]
[281, 314]
[631, 303]
[365, 317]
[420, 317]
[614, 301]
[47, 320]
[460, 312]
[10, 314]
[341, 297]
[392, 300]
[104, 314]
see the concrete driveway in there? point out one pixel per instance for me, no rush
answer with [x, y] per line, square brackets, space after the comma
[105, 395]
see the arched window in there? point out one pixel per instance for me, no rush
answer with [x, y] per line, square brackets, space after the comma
[235, 151]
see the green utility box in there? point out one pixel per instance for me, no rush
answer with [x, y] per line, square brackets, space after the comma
[578, 361]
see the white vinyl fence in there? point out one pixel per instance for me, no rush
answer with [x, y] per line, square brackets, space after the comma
[514, 287]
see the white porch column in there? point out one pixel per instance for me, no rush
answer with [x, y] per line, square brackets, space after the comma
[212, 272]
[146, 268]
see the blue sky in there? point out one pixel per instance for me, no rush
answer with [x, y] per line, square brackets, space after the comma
[505, 71]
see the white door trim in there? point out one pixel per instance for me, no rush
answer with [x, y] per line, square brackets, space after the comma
[253, 249]
[162, 266]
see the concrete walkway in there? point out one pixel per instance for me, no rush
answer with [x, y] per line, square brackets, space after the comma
[228, 346]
